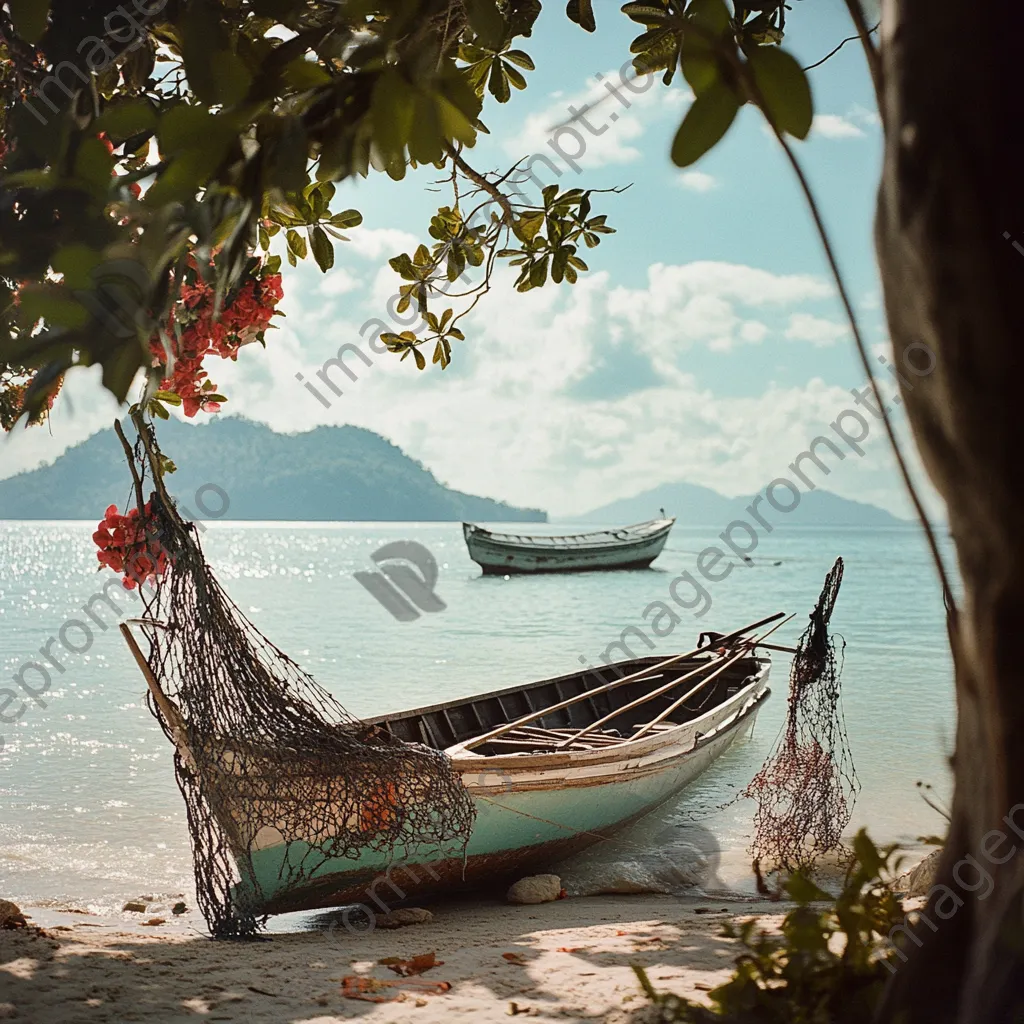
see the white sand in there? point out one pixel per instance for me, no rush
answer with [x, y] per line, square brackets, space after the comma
[578, 955]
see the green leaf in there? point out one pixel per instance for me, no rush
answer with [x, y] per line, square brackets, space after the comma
[296, 244]
[486, 21]
[170, 397]
[521, 58]
[699, 53]
[304, 74]
[707, 120]
[185, 127]
[582, 12]
[514, 77]
[53, 304]
[76, 262]
[784, 89]
[539, 273]
[347, 219]
[29, 17]
[94, 166]
[425, 137]
[323, 248]
[123, 120]
[497, 83]
[392, 108]
[803, 890]
[527, 226]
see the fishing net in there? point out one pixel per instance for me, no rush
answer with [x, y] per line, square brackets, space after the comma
[806, 789]
[264, 756]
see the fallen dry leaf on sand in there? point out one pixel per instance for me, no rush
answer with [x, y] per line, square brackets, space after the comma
[381, 990]
[515, 958]
[569, 949]
[417, 965]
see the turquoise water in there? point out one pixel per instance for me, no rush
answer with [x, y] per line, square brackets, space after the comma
[89, 811]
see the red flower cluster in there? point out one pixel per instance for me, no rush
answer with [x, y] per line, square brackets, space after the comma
[195, 334]
[125, 547]
[13, 388]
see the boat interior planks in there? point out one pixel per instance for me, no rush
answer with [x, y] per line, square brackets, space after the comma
[554, 729]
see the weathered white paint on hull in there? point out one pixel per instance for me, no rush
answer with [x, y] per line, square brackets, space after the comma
[630, 547]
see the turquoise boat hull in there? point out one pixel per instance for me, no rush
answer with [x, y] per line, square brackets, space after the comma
[532, 811]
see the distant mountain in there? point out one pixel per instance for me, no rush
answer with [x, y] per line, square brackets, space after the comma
[700, 506]
[690, 503]
[331, 473]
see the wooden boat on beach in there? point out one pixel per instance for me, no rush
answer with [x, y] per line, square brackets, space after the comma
[551, 767]
[626, 547]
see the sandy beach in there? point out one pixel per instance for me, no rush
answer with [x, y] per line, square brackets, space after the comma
[567, 960]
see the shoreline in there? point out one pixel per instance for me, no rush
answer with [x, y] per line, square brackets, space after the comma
[569, 960]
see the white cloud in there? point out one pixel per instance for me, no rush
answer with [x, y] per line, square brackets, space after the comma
[509, 388]
[753, 331]
[375, 243]
[696, 303]
[337, 281]
[835, 126]
[596, 125]
[698, 181]
[865, 116]
[815, 329]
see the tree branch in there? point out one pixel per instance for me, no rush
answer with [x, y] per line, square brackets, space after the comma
[130, 455]
[478, 179]
[870, 53]
[832, 53]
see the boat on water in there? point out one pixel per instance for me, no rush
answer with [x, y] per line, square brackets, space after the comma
[625, 547]
[551, 767]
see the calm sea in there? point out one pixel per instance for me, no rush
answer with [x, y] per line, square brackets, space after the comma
[89, 811]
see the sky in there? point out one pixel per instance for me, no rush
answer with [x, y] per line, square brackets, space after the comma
[706, 343]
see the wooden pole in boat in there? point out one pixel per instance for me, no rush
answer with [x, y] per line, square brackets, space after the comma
[686, 696]
[534, 715]
[671, 685]
[163, 702]
[778, 647]
[664, 688]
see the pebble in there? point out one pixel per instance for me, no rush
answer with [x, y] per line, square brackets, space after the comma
[134, 907]
[11, 916]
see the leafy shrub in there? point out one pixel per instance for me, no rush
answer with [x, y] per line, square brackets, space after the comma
[828, 965]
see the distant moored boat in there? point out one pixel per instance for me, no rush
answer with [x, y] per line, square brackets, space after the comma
[625, 547]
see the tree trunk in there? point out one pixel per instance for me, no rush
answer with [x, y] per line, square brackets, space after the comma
[952, 105]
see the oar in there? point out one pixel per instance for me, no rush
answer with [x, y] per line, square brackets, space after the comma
[686, 696]
[534, 715]
[671, 685]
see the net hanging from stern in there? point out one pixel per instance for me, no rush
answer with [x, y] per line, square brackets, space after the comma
[806, 789]
[266, 757]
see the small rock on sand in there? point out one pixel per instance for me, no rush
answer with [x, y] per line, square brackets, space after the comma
[8, 1011]
[406, 915]
[134, 907]
[535, 889]
[11, 915]
[179, 908]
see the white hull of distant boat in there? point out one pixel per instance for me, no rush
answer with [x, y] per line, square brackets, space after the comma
[627, 547]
